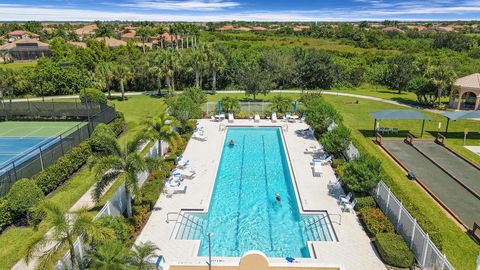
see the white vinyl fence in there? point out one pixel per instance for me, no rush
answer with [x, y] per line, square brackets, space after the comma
[114, 207]
[251, 107]
[427, 254]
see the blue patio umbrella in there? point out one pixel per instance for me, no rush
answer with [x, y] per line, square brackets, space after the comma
[219, 107]
[295, 106]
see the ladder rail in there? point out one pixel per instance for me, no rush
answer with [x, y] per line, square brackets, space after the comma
[182, 215]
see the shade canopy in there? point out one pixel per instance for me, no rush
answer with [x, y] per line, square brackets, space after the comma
[462, 115]
[399, 114]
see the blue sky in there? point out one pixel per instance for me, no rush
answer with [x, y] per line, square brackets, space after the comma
[247, 10]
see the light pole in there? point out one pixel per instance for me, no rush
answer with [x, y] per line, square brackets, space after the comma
[68, 64]
[209, 234]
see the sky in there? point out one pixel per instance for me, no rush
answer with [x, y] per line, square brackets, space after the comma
[240, 10]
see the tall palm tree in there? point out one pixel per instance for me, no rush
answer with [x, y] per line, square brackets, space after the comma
[8, 77]
[198, 60]
[110, 255]
[280, 103]
[217, 64]
[123, 73]
[127, 161]
[140, 255]
[144, 33]
[65, 230]
[103, 76]
[156, 63]
[172, 67]
[160, 128]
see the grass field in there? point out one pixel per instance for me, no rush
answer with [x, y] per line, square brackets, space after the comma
[19, 65]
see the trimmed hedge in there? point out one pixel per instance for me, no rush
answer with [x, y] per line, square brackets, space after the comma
[375, 221]
[367, 201]
[62, 169]
[23, 195]
[123, 229]
[118, 125]
[94, 96]
[393, 250]
[5, 214]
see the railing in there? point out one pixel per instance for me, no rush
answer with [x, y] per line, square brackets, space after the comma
[427, 254]
[378, 138]
[181, 215]
[339, 218]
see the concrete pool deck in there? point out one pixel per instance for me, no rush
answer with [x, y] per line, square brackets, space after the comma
[353, 250]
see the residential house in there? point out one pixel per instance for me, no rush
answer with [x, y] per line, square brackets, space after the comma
[86, 31]
[26, 49]
[227, 27]
[131, 35]
[112, 42]
[19, 34]
[393, 29]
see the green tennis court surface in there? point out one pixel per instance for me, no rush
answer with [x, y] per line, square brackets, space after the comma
[36, 129]
[463, 203]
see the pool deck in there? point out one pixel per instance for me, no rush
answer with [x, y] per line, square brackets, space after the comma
[353, 250]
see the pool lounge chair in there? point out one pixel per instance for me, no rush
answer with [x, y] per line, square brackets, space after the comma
[256, 118]
[200, 137]
[345, 199]
[274, 117]
[176, 188]
[317, 169]
[182, 173]
[230, 118]
[182, 163]
[313, 149]
[348, 206]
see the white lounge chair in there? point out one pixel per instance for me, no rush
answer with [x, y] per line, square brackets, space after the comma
[182, 163]
[230, 118]
[317, 169]
[176, 188]
[274, 117]
[256, 118]
[182, 173]
[313, 149]
[345, 199]
[348, 206]
[200, 137]
[302, 119]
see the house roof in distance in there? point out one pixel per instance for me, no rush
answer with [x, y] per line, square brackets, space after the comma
[470, 81]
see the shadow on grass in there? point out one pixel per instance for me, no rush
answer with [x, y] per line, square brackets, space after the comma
[402, 134]
[457, 135]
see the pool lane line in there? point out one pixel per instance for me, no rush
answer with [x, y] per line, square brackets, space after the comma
[240, 195]
[447, 172]
[266, 190]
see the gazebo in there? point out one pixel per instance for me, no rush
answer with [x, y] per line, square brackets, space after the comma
[399, 114]
[454, 116]
[465, 93]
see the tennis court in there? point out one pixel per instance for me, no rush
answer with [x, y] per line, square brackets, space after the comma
[464, 204]
[19, 139]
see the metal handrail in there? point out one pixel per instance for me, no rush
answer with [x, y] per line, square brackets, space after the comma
[316, 221]
[285, 127]
[182, 215]
[339, 220]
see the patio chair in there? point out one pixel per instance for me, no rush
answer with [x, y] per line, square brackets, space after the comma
[302, 119]
[313, 149]
[345, 199]
[395, 131]
[230, 118]
[256, 118]
[199, 136]
[186, 174]
[274, 117]
[182, 163]
[348, 206]
[317, 169]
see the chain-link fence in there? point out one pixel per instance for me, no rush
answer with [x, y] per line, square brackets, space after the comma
[114, 207]
[37, 159]
[427, 254]
[211, 108]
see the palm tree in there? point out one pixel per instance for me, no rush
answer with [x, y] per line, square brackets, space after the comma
[217, 63]
[280, 103]
[122, 73]
[103, 77]
[156, 62]
[8, 78]
[5, 56]
[171, 67]
[110, 255]
[198, 60]
[65, 230]
[144, 33]
[140, 255]
[160, 128]
[128, 161]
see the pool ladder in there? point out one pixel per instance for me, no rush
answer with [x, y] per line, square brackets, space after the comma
[190, 227]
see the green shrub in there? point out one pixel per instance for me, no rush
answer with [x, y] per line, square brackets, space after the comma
[140, 216]
[103, 141]
[5, 214]
[362, 174]
[375, 221]
[23, 195]
[243, 115]
[195, 94]
[230, 104]
[338, 162]
[363, 202]
[122, 229]
[118, 125]
[393, 250]
[94, 96]
[336, 140]
[149, 193]
[62, 169]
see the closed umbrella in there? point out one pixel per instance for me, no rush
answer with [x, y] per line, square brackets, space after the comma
[219, 106]
[295, 106]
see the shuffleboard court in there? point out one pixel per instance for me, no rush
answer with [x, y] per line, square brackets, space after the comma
[458, 199]
[458, 167]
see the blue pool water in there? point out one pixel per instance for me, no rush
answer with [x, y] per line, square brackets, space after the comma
[19, 149]
[243, 214]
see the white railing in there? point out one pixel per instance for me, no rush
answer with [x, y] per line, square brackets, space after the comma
[427, 254]
[114, 207]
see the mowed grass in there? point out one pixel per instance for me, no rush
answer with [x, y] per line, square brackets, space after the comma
[459, 248]
[19, 65]
[14, 241]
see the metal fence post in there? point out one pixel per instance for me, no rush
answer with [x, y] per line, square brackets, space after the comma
[400, 208]
[41, 157]
[61, 144]
[388, 200]
[14, 170]
[108, 208]
[424, 251]
[442, 264]
[413, 233]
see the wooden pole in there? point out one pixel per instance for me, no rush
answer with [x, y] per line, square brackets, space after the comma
[423, 126]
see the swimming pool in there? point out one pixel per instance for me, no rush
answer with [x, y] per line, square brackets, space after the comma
[243, 213]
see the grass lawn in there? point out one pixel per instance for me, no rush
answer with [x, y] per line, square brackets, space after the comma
[459, 248]
[19, 65]
[15, 239]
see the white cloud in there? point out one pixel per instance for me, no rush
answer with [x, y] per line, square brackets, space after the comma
[198, 5]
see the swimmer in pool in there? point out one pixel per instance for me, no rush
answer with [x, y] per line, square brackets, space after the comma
[277, 198]
[232, 143]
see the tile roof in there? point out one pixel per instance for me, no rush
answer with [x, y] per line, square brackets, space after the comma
[11, 45]
[86, 30]
[112, 42]
[470, 81]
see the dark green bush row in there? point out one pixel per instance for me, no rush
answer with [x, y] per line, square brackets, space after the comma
[363, 202]
[5, 214]
[122, 228]
[394, 250]
[375, 221]
[118, 125]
